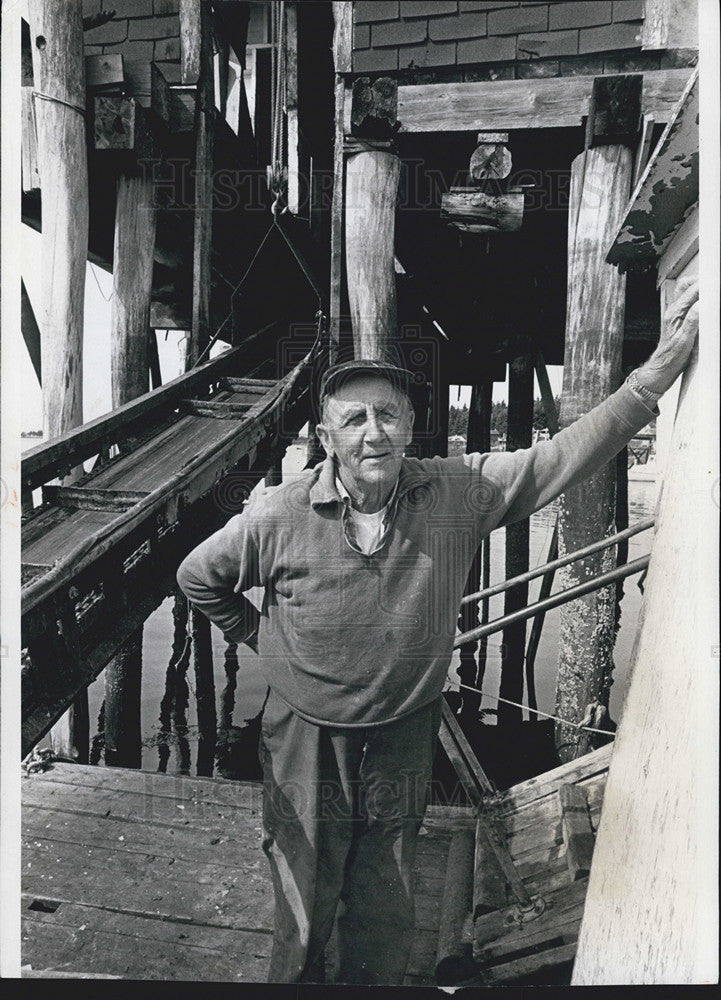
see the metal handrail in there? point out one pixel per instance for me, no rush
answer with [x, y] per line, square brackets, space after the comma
[563, 597]
[588, 550]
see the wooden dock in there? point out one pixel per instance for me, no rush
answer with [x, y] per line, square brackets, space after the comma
[139, 875]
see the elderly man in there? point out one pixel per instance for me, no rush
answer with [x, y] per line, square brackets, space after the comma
[363, 561]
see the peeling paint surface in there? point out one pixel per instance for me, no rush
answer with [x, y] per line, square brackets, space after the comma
[667, 192]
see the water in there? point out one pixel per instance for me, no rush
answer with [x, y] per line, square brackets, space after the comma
[181, 755]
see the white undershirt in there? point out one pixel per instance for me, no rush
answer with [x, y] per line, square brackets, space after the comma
[368, 527]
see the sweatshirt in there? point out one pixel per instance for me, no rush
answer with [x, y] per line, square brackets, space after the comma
[348, 639]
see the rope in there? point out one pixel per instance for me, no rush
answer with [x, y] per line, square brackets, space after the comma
[107, 298]
[546, 715]
[59, 100]
[220, 329]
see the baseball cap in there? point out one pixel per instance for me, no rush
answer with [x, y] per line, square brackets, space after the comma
[336, 376]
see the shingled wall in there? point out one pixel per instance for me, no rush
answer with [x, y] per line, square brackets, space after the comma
[144, 31]
[501, 40]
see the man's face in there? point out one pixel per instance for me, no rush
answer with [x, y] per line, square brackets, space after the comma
[367, 424]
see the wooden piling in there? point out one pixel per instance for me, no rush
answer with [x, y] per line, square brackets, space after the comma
[203, 208]
[518, 435]
[133, 248]
[205, 692]
[371, 189]
[56, 31]
[122, 705]
[132, 285]
[342, 50]
[478, 438]
[199, 335]
[600, 183]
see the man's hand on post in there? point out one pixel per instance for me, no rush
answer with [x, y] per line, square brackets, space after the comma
[678, 336]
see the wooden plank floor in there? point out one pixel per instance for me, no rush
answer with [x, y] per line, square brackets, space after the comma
[149, 876]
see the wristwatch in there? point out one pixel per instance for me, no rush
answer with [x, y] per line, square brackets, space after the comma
[647, 395]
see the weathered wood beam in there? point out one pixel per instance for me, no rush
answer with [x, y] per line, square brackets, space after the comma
[132, 285]
[132, 288]
[203, 213]
[342, 55]
[56, 32]
[614, 110]
[592, 370]
[370, 202]
[59, 72]
[670, 25]
[478, 439]
[500, 105]
[123, 681]
[471, 210]
[190, 41]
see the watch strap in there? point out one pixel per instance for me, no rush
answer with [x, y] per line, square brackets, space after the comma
[647, 395]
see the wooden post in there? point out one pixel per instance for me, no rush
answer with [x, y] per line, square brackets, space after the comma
[203, 214]
[549, 405]
[478, 439]
[205, 691]
[132, 286]
[600, 183]
[342, 52]
[518, 435]
[175, 697]
[370, 199]
[56, 31]
[133, 248]
[122, 704]
[651, 914]
[199, 335]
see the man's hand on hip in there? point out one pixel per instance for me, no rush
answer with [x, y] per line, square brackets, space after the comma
[678, 336]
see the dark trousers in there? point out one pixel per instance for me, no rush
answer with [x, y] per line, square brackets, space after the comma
[341, 813]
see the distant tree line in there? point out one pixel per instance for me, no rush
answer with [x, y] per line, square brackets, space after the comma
[458, 417]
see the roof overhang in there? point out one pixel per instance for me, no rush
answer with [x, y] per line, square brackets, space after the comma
[667, 191]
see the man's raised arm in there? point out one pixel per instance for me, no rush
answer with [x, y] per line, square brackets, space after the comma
[530, 478]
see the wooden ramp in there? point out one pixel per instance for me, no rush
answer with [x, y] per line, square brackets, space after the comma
[98, 556]
[142, 875]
